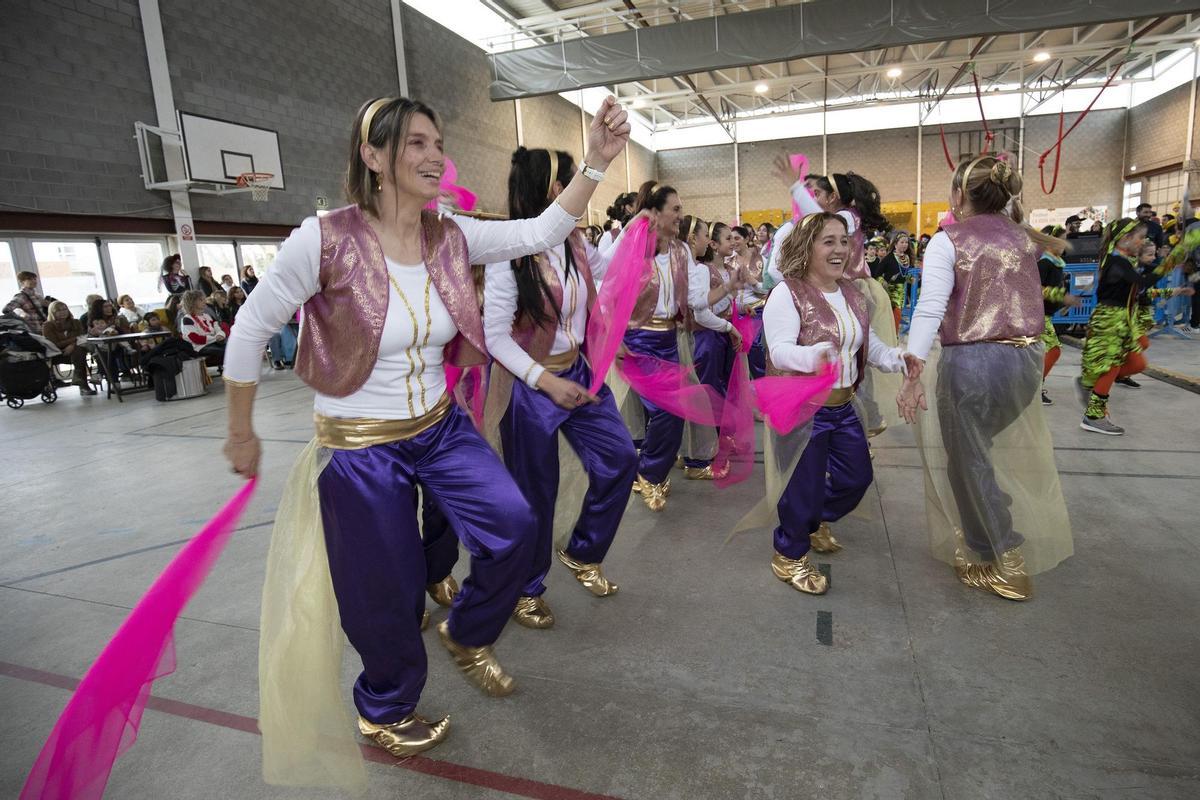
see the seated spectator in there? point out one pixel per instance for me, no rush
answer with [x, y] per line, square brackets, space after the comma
[227, 283]
[103, 319]
[218, 308]
[198, 328]
[153, 323]
[249, 279]
[87, 305]
[207, 283]
[173, 278]
[64, 331]
[28, 303]
[237, 299]
[129, 311]
[1073, 224]
[169, 313]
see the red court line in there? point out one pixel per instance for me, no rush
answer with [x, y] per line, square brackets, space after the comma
[498, 781]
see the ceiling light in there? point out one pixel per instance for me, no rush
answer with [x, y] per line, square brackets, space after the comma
[639, 103]
[895, 72]
[1040, 56]
[761, 88]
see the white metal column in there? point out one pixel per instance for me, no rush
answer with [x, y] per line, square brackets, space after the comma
[398, 37]
[520, 123]
[737, 179]
[920, 176]
[164, 105]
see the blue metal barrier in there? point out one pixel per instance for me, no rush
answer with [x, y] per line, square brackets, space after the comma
[1081, 282]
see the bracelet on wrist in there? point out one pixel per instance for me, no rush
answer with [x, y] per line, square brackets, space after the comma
[591, 173]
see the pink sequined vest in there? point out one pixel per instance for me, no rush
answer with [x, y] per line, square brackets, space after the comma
[818, 322]
[538, 339]
[647, 302]
[343, 322]
[997, 292]
[856, 264]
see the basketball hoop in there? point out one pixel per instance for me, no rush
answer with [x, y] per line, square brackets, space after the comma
[259, 184]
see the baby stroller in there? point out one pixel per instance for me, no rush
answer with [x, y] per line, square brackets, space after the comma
[24, 367]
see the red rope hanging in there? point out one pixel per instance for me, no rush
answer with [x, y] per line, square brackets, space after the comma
[988, 136]
[1056, 148]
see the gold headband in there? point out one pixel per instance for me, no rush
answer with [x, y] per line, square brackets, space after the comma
[369, 117]
[553, 171]
[654, 189]
[691, 229]
[966, 176]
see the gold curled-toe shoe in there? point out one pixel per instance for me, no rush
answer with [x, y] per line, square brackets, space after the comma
[532, 612]
[411, 735]
[589, 575]
[800, 573]
[878, 429]
[1005, 577]
[823, 541]
[478, 665]
[443, 591]
[425, 621]
[698, 473]
[654, 495]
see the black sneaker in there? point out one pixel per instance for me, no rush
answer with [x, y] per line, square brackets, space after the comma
[1130, 382]
[1102, 425]
[1046, 401]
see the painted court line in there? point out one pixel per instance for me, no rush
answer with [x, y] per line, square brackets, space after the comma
[497, 781]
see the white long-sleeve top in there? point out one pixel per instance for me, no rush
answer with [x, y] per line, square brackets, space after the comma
[410, 352]
[937, 281]
[698, 289]
[500, 310]
[781, 329]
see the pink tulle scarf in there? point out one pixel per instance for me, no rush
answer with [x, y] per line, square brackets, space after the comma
[787, 401]
[100, 721]
[627, 275]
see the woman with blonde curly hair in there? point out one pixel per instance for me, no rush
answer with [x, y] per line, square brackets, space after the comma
[993, 499]
[814, 317]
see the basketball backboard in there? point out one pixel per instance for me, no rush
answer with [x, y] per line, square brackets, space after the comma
[214, 152]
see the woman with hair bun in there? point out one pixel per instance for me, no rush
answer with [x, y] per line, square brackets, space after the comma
[535, 316]
[993, 499]
[389, 299]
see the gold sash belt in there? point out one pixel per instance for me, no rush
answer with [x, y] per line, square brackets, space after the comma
[839, 397]
[360, 433]
[1019, 341]
[658, 324]
[562, 361]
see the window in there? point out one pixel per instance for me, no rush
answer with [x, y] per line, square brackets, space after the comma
[69, 271]
[1163, 191]
[258, 256]
[218, 256]
[136, 267]
[1131, 198]
[8, 274]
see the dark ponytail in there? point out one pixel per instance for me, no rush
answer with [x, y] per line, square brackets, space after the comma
[529, 185]
[860, 194]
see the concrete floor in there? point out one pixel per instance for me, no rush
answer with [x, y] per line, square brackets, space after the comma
[703, 678]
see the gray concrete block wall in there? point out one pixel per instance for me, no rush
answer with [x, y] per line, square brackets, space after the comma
[703, 176]
[73, 80]
[643, 165]
[1158, 130]
[553, 123]
[887, 158]
[304, 78]
[451, 74]
[1090, 171]
[760, 188]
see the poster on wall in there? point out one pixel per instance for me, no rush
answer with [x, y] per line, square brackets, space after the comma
[1041, 217]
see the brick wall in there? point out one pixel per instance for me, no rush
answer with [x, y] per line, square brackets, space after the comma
[1090, 172]
[760, 188]
[73, 79]
[1158, 131]
[451, 74]
[703, 176]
